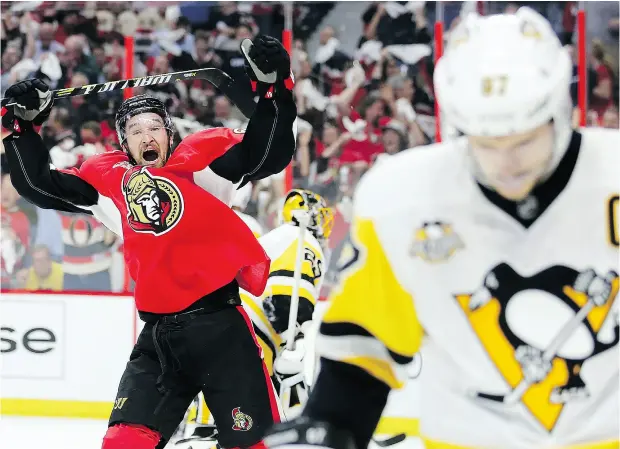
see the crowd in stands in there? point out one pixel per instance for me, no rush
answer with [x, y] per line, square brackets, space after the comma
[353, 108]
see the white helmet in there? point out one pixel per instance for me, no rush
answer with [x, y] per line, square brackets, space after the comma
[242, 197]
[505, 74]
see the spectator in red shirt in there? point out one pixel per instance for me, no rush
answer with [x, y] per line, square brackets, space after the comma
[603, 92]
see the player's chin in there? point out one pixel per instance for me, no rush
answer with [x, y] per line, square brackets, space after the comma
[516, 192]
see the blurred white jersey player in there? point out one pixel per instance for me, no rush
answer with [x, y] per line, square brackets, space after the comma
[240, 203]
[495, 253]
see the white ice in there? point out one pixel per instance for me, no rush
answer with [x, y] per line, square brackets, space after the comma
[66, 433]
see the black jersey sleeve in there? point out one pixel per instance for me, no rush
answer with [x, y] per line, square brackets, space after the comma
[34, 178]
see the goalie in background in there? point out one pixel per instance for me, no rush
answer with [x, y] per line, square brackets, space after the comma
[269, 312]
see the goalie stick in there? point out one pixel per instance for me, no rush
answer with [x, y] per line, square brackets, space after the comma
[216, 77]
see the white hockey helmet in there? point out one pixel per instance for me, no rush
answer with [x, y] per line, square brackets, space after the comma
[505, 74]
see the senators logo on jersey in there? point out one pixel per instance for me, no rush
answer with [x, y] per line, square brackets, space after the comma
[241, 420]
[539, 331]
[154, 204]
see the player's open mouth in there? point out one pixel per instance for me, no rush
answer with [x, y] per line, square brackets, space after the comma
[150, 155]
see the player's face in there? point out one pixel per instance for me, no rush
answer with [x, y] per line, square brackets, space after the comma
[512, 165]
[147, 139]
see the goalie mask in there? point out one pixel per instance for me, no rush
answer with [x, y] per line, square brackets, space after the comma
[145, 130]
[321, 216]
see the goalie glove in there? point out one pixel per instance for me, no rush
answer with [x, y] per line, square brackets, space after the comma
[33, 104]
[291, 361]
[267, 64]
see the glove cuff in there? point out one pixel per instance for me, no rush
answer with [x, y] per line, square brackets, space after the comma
[288, 83]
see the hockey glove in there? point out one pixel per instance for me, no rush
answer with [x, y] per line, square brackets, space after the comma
[267, 62]
[305, 433]
[291, 361]
[33, 104]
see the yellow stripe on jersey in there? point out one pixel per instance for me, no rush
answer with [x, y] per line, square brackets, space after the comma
[260, 320]
[371, 322]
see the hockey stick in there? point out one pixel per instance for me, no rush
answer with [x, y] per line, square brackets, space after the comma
[304, 219]
[398, 438]
[216, 77]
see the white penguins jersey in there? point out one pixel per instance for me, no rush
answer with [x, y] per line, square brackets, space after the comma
[514, 306]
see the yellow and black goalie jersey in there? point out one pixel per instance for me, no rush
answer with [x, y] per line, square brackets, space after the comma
[269, 313]
[514, 306]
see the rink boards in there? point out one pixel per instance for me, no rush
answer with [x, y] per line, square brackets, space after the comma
[63, 355]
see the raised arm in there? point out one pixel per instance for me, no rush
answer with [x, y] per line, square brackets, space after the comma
[28, 158]
[269, 141]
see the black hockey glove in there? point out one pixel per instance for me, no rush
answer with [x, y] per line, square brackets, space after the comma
[34, 103]
[304, 432]
[267, 62]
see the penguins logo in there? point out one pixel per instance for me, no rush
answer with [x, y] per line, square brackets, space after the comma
[154, 204]
[540, 357]
[435, 242]
[241, 421]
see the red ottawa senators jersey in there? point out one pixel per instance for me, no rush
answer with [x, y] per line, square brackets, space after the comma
[180, 241]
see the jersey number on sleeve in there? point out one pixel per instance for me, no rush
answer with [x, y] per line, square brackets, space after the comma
[315, 262]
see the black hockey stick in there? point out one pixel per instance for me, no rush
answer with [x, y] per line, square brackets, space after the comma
[216, 77]
[398, 438]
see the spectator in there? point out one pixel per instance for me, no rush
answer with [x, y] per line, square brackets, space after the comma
[394, 137]
[45, 43]
[10, 57]
[15, 235]
[610, 118]
[78, 61]
[62, 138]
[84, 108]
[222, 113]
[602, 94]
[45, 274]
[90, 132]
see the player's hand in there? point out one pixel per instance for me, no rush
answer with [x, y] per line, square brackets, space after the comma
[305, 432]
[33, 103]
[267, 61]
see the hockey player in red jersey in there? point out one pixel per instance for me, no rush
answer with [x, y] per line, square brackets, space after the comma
[186, 249]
